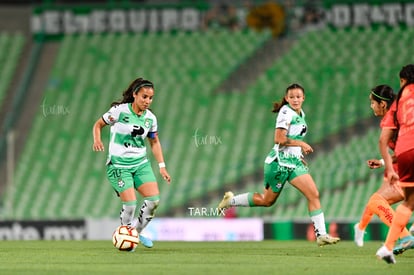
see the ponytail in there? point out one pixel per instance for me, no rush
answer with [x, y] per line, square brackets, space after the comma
[406, 73]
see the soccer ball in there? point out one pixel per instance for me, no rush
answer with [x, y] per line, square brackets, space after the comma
[125, 238]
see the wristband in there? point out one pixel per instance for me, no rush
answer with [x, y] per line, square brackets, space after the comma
[382, 162]
[161, 164]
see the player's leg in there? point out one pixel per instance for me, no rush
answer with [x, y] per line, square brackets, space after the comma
[402, 216]
[268, 198]
[391, 193]
[149, 191]
[275, 178]
[359, 227]
[404, 210]
[406, 172]
[379, 204]
[122, 182]
[147, 211]
[305, 184]
[147, 187]
[129, 204]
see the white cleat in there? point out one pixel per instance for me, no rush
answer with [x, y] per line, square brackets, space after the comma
[384, 254]
[225, 202]
[358, 235]
[326, 239]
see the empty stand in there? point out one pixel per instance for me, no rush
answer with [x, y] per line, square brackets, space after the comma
[11, 46]
[63, 178]
[209, 140]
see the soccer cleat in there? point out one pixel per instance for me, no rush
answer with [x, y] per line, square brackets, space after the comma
[403, 245]
[142, 239]
[326, 239]
[225, 202]
[145, 241]
[384, 254]
[358, 235]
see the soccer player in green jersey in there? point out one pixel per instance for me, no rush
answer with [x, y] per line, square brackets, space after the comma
[285, 163]
[127, 166]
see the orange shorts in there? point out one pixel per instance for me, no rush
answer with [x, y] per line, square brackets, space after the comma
[406, 168]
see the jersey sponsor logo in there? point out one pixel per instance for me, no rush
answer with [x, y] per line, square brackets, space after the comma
[137, 131]
[303, 132]
[125, 119]
[129, 144]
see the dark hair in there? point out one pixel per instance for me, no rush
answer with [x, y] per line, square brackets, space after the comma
[407, 73]
[383, 93]
[278, 105]
[134, 87]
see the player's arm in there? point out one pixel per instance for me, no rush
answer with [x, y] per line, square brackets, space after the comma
[97, 129]
[282, 139]
[155, 144]
[385, 136]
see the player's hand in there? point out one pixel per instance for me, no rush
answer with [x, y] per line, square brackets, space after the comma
[392, 176]
[306, 148]
[165, 175]
[374, 163]
[98, 146]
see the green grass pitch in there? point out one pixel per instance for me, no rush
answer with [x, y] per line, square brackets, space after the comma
[253, 258]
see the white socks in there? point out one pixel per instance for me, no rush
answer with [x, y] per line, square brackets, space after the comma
[242, 200]
[127, 213]
[146, 213]
[318, 220]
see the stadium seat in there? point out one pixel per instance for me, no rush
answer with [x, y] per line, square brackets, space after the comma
[11, 47]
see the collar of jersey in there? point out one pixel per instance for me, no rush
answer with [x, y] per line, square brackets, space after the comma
[301, 113]
[132, 111]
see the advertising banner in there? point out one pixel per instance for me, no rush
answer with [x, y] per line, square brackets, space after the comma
[187, 229]
[43, 230]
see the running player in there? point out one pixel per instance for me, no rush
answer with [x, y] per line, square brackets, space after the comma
[402, 112]
[127, 166]
[285, 163]
[381, 98]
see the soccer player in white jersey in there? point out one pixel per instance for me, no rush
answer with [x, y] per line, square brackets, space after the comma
[285, 163]
[127, 166]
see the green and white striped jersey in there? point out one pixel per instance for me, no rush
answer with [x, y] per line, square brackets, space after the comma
[128, 131]
[296, 129]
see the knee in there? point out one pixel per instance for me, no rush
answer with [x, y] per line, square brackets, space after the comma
[315, 195]
[268, 203]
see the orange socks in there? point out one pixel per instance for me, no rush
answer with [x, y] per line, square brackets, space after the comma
[379, 206]
[400, 220]
[366, 216]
